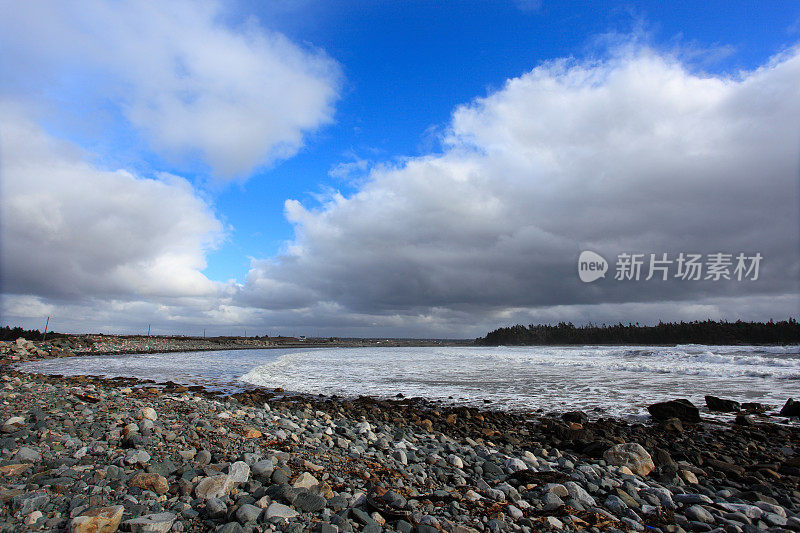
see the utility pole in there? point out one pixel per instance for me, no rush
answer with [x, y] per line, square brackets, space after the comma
[148, 330]
[204, 333]
[44, 335]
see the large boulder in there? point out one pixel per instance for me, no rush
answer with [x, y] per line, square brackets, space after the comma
[722, 405]
[790, 408]
[681, 408]
[632, 455]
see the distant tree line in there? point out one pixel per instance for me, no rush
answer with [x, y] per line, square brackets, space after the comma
[697, 332]
[11, 334]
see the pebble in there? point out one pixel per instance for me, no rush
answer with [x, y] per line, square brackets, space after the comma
[330, 467]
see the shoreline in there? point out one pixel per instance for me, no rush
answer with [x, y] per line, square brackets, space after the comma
[516, 485]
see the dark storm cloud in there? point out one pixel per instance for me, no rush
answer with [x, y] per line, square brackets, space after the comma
[631, 154]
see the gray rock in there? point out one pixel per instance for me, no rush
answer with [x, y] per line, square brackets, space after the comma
[203, 457]
[309, 502]
[615, 504]
[691, 499]
[29, 502]
[278, 510]
[248, 513]
[515, 465]
[550, 502]
[699, 514]
[580, 494]
[514, 512]
[263, 469]
[326, 527]
[774, 520]
[553, 522]
[26, 454]
[230, 527]
[216, 508]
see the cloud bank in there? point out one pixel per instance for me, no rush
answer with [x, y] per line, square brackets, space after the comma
[192, 85]
[632, 153]
[70, 229]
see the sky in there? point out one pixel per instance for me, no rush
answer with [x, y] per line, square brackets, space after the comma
[395, 169]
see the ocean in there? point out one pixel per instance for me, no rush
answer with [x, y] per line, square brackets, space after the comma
[601, 380]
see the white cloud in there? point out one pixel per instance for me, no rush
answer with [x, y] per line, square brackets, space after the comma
[190, 83]
[72, 230]
[631, 153]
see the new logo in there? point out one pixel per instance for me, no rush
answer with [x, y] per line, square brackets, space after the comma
[591, 266]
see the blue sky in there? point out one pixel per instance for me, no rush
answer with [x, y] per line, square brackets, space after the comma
[391, 168]
[407, 65]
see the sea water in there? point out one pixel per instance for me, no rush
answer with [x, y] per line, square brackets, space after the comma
[602, 380]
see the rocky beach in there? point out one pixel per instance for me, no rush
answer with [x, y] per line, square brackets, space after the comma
[92, 454]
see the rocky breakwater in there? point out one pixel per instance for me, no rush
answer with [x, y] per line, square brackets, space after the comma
[85, 454]
[22, 350]
[113, 344]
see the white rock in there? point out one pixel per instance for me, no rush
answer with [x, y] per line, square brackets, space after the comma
[305, 481]
[455, 461]
[33, 517]
[151, 523]
[217, 486]
[239, 472]
[13, 424]
[554, 522]
[515, 465]
[631, 455]
[146, 413]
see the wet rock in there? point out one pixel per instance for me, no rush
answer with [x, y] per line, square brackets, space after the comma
[578, 417]
[722, 405]
[682, 409]
[790, 408]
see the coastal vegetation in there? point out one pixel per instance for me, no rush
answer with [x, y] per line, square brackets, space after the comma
[697, 332]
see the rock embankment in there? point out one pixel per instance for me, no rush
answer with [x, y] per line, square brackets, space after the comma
[26, 350]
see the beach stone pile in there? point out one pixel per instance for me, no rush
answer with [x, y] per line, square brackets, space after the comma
[86, 455]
